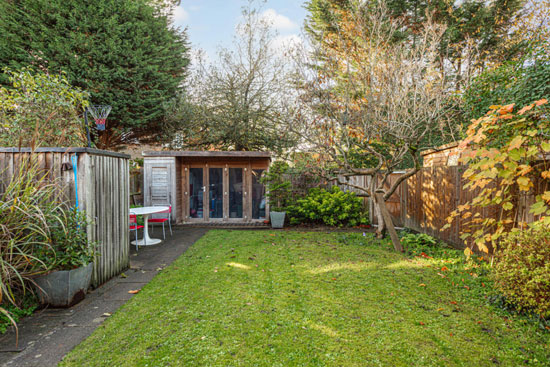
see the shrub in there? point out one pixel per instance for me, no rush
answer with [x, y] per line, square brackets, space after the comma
[506, 152]
[331, 208]
[416, 243]
[522, 269]
[27, 205]
[38, 233]
[41, 108]
[70, 247]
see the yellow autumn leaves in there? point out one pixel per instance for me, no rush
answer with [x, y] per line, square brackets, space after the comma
[506, 157]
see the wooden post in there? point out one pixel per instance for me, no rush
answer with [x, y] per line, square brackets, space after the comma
[387, 220]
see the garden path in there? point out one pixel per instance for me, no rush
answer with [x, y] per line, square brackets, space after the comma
[48, 335]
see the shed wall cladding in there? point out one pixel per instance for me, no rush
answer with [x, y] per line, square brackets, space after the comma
[207, 186]
[103, 192]
[160, 182]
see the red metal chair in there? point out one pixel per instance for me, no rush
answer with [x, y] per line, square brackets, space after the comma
[134, 227]
[163, 217]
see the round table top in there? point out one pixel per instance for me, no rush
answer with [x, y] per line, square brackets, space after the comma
[149, 210]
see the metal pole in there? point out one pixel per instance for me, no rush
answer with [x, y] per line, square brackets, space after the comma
[87, 127]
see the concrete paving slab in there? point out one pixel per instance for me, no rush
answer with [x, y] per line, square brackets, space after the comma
[48, 335]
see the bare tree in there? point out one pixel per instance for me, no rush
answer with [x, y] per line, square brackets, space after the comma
[241, 101]
[370, 103]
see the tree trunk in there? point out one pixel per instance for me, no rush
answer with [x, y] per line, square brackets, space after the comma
[381, 203]
[381, 230]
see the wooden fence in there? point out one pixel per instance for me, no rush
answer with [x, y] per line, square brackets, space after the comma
[424, 201]
[136, 186]
[394, 203]
[101, 190]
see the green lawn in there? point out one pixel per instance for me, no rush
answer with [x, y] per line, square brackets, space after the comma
[261, 298]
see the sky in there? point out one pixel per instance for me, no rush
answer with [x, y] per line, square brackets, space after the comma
[211, 23]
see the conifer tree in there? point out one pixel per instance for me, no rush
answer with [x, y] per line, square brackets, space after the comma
[125, 53]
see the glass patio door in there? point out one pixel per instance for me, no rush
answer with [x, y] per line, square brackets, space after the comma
[235, 193]
[196, 193]
[215, 193]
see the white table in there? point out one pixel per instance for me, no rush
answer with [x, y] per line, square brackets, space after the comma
[146, 211]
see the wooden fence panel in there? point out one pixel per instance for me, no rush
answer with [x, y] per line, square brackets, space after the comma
[425, 201]
[107, 204]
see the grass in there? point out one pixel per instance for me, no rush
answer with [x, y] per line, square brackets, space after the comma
[260, 298]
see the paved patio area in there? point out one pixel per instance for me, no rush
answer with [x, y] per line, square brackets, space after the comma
[50, 334]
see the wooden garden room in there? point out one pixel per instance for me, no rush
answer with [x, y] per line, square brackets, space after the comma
[208, 187]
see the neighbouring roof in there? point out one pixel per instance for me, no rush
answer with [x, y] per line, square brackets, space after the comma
[207, 154]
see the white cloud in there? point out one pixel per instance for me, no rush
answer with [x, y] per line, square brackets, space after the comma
[180, 14]
[279, 21]
[288, 42]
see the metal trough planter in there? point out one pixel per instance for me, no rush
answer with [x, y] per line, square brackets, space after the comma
[277, 219]
[64, 288]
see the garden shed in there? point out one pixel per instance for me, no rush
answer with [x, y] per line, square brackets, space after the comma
[208, 186]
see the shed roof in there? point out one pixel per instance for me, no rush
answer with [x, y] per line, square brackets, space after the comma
[207, 154]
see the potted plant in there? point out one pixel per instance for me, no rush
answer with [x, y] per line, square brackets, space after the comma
[69, 261]
[279, 192]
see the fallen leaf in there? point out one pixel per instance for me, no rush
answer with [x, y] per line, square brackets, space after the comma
[444, 268]
[421, 323]
[123, 275]
[422, 285]
[106, 314]
[134, 291]
[453, 302]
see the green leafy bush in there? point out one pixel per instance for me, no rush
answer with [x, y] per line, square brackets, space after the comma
[331, 208]
[70, 247]
[42, 109]
[423, 245]
[416, 243]
[522, 269]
